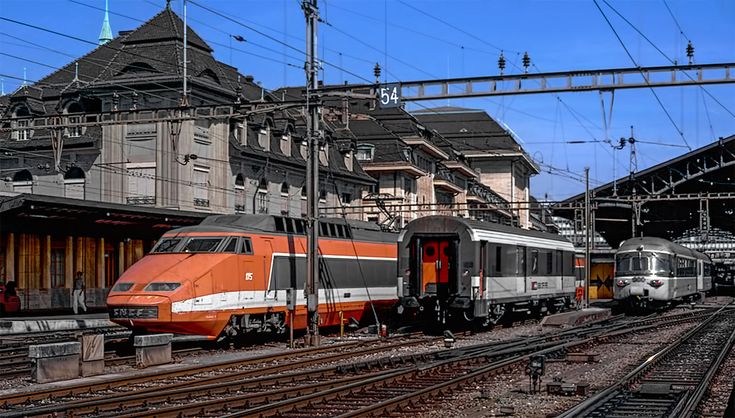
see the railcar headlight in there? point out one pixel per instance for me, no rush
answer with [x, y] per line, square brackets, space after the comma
[656, 283]
[162, 287]
[622, 283]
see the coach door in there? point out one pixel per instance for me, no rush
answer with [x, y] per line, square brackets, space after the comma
[250, 270]
[436, 262]
[521, 269]
[700, 275]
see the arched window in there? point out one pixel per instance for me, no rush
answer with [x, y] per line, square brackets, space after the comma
[209, 75]
[261, 205]
[136, 68]
[286, 143]
[21, 124]
[264, 136]
[23, 182]
[239, 194]
[74, 183]
[285, 194]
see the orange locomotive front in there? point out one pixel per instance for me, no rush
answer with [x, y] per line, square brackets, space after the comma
[230, 275]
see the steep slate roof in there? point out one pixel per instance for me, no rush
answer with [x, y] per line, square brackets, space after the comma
[151, 53]
[468, 129]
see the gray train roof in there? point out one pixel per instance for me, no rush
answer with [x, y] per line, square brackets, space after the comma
[659, 244]
[444, 224]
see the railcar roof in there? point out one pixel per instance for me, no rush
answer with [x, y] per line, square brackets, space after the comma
[436, 223]
[659, 244]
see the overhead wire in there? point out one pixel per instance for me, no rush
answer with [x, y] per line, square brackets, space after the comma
[658, 100]
[672, 61]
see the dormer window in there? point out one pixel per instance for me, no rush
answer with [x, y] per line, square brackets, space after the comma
[264, 136]
[286, 143]
[74, 109]
[365, 152]
[21, 131]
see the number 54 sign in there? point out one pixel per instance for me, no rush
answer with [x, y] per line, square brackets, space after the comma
[390, 95]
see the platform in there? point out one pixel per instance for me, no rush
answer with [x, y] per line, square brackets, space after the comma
[28, 324]
[573, 318]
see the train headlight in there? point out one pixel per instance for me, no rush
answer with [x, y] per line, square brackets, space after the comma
[622, 283]
[656, 283]
[162, 287]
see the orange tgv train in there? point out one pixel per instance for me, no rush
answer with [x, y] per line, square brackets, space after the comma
[230, 275]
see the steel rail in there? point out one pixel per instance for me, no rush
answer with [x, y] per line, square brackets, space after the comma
[80, 388]
[602, 397]
[192, 385]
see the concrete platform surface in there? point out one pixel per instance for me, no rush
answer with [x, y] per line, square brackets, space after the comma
[572, 318]
[26, 324]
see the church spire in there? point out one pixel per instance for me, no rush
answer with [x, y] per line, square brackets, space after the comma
[106, 32]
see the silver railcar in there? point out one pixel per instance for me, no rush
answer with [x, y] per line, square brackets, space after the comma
[455, 268]
[653, 272]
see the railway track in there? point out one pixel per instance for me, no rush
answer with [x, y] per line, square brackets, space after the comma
[74, 396]
[254, 391]
[673, 381]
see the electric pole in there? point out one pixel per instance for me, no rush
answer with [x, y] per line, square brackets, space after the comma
[312, 175]
[587, 263]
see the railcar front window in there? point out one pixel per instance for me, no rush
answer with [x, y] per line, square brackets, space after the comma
[202, 245]
[166, 245]
[644, 262]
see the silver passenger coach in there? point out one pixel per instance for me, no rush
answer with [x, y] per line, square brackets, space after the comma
[455, 268]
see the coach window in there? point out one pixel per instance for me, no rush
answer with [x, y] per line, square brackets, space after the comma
[246, 247]
[498, 258]
[549, 263]
[534, 262]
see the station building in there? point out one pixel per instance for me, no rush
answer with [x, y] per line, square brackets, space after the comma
[102, 156]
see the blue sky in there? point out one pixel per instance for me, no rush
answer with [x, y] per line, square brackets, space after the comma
[558, 35]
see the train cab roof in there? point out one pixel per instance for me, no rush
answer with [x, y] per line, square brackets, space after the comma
[479, 230]
[261, 223]
[659, 244]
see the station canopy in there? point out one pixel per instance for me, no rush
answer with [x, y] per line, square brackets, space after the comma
[695, 191]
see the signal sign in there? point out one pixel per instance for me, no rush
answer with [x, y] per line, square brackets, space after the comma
[390, 96]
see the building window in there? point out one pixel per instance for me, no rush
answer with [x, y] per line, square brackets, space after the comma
[74, 183]
[22, 133]
[23, 182]
[365, 152]
[346, 199]
[57, 267]
[264, 136]
[286, 144]
[239, 194]
[322, 196]
[200, 184]
[262, 197]
[74, 131]
[285, 199]
[141, 184]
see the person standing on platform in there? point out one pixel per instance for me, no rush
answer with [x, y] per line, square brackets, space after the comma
[78, 293]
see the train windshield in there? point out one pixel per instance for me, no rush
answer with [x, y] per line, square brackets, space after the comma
[166, 245]
[642, 262]
[189, 245]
